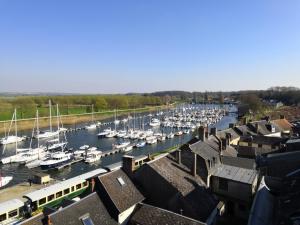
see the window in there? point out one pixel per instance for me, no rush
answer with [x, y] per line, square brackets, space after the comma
[121, 181]
[78, 186]
[66, 191]
[42, 201]
[85, 183]
[13, 213]
[72, 189]
[58, 194]
[87, 221]
[50, 197]
[2, 217]
[223, 184]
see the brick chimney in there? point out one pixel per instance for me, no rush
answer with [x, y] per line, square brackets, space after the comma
[213, 131]
[201, 133]
[194, 165]
[224, 143]
[128, 164]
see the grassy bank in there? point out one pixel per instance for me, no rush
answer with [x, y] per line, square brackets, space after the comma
[74, 120]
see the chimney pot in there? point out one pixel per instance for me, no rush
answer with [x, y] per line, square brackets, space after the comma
[231, 125]
[178, 156]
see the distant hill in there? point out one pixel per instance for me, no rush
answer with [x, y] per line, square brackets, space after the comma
[283, 89]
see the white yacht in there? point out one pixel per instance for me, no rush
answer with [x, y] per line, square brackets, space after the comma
[56, 160]
[93, 156]
[93, 125]
[151, 140]
[121, 144]
[111, 134]
[104, 132]
[170, 135]
[154, 122]
[11, 140]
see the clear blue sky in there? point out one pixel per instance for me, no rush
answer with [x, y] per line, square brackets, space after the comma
[148, 45]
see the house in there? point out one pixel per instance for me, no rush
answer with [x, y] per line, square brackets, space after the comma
[230, 133]
[284, 125]
[146, 215]
[265, 128]
[177, 188]
[264, 144]
[119, 194]
[235, 186]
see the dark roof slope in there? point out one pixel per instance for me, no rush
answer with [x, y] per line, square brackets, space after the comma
[238, 162]
[90, 205]
[35, 220]
[232, 132]
[150, 215]
[264, 140]
[123, 196]
[204, 150]
[172, 183]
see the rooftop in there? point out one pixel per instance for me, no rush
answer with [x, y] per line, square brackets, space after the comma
[235, 173]
[121, 190]
[150, 215]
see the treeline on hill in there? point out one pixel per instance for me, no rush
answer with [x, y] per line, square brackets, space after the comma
[27, 105]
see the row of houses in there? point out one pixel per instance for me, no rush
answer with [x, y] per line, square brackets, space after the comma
[209, 180]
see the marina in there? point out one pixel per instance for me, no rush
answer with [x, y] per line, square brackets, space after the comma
[176, 127]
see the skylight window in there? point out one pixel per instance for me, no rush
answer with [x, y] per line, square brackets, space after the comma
[87, 221]
[121, 181]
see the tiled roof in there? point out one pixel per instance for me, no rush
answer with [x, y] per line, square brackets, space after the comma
[284, 124]
[150, 215]
[123, 196]
[244, 130]
[90, 205]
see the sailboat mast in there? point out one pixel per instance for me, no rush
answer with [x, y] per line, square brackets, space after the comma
[93, 113]
[16, 129]
[37, 127]
[115, 119]
[50, 119]
[57, 116]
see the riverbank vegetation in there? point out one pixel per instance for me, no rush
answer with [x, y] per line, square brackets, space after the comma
[77, 104]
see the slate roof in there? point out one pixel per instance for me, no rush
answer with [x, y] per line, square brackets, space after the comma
[263, 127]
[150, 215]
[90, 205]
[238, 162]
[171, 181]
[204, 150]
[264, 140]
[234, 173]
[123, 196]
[231, 131]
[244, 130]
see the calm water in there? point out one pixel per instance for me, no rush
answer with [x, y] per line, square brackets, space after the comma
[82, 137]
